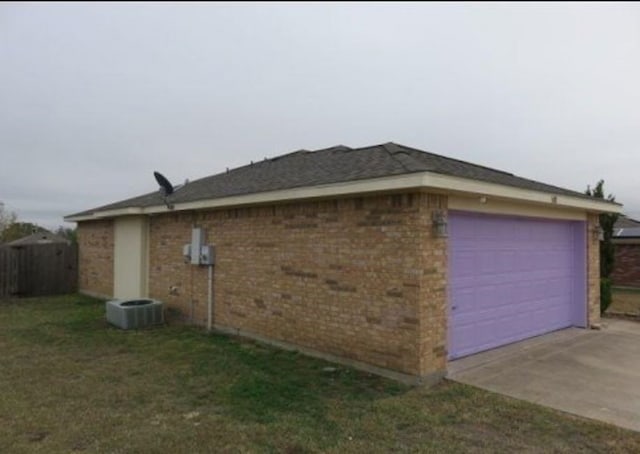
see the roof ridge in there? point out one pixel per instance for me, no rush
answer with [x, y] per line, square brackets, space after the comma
[338, 147]
[276, 158]
[417, 166]
[454, 159]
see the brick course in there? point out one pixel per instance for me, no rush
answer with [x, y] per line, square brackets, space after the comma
[626, 268]
[95, 258]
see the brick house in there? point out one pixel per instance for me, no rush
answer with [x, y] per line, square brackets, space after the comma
[626, 267]
[386, 257]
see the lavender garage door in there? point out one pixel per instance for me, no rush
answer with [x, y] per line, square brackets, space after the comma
[511, 278]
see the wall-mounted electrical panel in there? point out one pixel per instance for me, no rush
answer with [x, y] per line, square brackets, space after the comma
[208, 255]
[197, 241]
[198, 253]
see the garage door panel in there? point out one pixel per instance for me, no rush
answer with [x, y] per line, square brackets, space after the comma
[486, 263]
[512, 278]
[506, 307]
[555, 287]
[481, 312]
[509, 282]
[466, 262]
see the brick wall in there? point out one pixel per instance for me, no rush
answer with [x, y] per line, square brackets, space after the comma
[626, 269]
[433, 297]
[593, 271]
[95, 258]
[360, 278]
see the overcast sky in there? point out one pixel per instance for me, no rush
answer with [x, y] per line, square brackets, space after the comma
[94, 98]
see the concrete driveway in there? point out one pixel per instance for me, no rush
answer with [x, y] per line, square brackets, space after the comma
[595, 374]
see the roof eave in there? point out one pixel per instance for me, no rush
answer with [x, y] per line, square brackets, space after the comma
[417, 180]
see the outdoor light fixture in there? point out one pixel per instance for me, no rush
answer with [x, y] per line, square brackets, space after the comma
[439, 225]
[483, 199]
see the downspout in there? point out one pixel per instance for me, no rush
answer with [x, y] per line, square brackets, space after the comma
[210, 298]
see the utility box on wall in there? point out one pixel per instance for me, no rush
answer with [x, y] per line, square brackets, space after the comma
[208, 255]
[198, 253]
[197, 241]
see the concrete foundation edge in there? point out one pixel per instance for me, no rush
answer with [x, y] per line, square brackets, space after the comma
[425, 380]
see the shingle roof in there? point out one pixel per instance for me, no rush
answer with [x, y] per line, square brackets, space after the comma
[626, 227]
[627, 232]
[625, 222]
[331, 165]
[38, 238]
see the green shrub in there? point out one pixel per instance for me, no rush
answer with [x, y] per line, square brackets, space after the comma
[605, 294]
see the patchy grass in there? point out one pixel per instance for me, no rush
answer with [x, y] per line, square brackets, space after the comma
[69, 382]
[626, 301]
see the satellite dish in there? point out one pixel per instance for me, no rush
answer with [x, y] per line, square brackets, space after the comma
[166, 188]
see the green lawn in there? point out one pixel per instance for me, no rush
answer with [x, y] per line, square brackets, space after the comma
[69, 382]
[625, 301]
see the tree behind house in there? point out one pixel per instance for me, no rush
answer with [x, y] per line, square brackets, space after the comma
[17, 230]
[607, 248]
[68, 233]
[6, 218]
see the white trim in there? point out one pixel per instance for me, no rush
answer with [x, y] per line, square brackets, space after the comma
[130, 257]
[427, 180]
[147, 257]
[493, 205]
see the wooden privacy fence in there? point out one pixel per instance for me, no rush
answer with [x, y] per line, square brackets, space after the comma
[38, 269]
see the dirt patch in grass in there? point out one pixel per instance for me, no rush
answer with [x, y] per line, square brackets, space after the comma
[71, 383]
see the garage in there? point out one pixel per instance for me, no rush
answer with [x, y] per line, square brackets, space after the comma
[387, 257]
[511, 278]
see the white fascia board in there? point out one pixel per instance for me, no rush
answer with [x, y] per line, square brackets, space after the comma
[426, 180]
[106, 214]
[482, 188]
